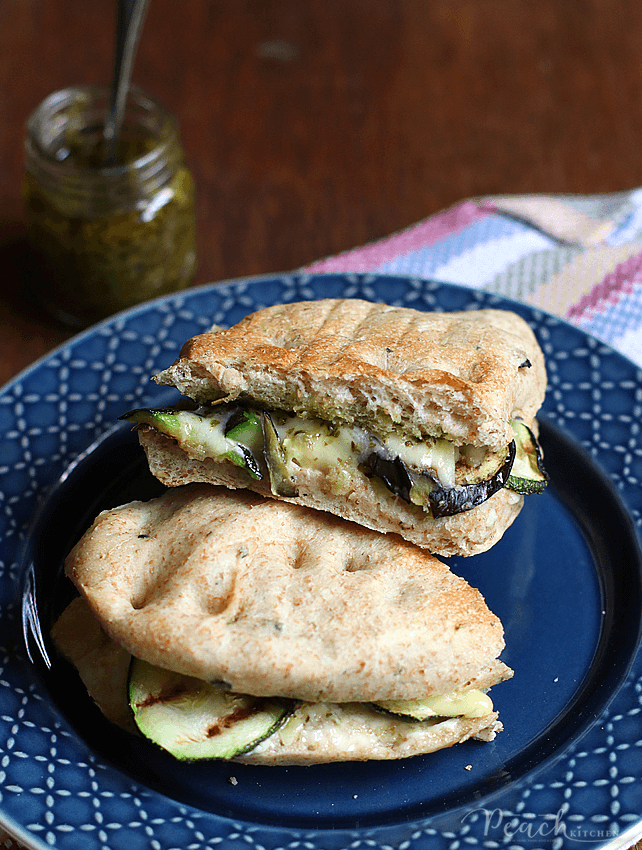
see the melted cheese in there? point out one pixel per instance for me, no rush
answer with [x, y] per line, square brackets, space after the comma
[473, 703]
[314, 443]
[436, 456]
[201, 436]
[340, 725]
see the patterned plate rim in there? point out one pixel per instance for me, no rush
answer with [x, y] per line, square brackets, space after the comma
[626, 837]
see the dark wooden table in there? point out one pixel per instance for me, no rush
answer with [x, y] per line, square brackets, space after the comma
[313, 126]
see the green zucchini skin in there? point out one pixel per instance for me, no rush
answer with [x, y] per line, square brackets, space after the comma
[237, 444]
[244, 425]
[195, 720]
[252, 441]
[528, 475]
[163, 419]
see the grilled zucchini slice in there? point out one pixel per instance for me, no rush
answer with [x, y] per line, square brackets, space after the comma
[194, 720]
[527, 474]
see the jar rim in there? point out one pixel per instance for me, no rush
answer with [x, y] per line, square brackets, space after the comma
[80, 111]
[54, 106]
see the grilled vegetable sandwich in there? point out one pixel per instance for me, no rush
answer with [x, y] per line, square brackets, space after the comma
[222, 625]
[402, 421]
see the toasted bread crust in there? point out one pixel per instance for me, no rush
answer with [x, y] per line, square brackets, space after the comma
[278, 600]
[372, 506]
[310, 734]
[384, 368]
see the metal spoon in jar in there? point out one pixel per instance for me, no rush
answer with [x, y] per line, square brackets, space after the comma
[129, 24]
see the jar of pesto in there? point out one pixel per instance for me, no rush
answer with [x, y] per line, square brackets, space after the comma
[105, 234]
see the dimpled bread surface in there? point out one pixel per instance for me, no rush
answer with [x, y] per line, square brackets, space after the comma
[277, 600]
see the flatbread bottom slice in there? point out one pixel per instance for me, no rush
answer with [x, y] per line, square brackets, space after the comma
[468, 533]
[102, 664]
[330, 732]
[313, 734]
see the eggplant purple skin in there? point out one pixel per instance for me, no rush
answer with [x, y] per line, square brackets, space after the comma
[456, 500]
[280, 481]
[443, 502]
[392, 472]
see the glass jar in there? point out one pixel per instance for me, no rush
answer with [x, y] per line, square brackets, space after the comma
[105, 235]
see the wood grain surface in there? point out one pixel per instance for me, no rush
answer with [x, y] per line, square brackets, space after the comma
[313, 126]
[318, 125]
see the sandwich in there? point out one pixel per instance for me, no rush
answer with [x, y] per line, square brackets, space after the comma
[222, 625]
[421, 424]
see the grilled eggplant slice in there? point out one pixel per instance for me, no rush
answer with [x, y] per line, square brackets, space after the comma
[195, 720]
[464, 497]
[392, 472]
[280, 481]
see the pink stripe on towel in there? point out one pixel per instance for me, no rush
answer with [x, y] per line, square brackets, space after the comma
[609, 291]
[370, 257]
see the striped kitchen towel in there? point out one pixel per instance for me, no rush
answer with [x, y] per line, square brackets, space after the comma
[576, 256]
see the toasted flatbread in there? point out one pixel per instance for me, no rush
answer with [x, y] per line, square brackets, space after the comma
[313, 734]
[402, 376]
[103, 665]
[389, 369]
[277, 600]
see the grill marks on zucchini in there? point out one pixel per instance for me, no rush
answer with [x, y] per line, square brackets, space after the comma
[192, 719]
[255, 440]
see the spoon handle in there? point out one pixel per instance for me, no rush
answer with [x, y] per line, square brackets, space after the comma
[129, 23]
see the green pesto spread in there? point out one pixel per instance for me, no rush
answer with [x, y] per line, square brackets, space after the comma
[95, 255]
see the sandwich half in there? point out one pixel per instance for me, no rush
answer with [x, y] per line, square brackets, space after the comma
[223, 625]
[402, 421]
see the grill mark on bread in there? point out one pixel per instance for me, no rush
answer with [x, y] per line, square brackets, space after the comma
[336, 310]
[423, 389]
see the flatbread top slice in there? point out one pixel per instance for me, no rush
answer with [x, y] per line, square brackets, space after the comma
[462, 375]
[277, 600]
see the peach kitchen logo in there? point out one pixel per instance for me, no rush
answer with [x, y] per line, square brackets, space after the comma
[553, 829]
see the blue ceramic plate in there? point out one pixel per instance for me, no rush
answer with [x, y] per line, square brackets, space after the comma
[565, 580]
